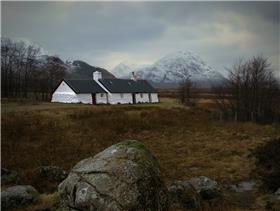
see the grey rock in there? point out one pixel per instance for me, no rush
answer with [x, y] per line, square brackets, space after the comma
[184, 194]
[277, 194]
[51, 173]
[8, 176]
[18, 196]
[273, 201]
[125, 176]
[243, 186]
[207, 188]
[241, 135]
[47, 178]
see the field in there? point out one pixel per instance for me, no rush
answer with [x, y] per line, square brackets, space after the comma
[187, 141]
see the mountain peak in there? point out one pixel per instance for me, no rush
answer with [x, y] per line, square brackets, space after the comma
[173, 68]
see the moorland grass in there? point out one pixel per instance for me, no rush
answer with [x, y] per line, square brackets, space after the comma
[187, 142]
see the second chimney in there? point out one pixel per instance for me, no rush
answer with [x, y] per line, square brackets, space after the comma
[134, 77]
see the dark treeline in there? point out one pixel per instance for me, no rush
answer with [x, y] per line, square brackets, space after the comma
[250, 93]
[26, 73]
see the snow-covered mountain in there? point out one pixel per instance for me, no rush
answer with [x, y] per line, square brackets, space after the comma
[124, 70]
[173, 69]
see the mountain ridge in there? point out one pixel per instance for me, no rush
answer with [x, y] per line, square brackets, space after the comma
[84, 70]
[173, 68]
[77, 69]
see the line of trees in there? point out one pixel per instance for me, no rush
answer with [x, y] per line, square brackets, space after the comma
[26, 73]
[250, 93]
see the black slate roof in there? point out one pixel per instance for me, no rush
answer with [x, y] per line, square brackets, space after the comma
[84, 86]
[127, 86]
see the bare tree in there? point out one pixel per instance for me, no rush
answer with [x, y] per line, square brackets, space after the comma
[186, 93]
[21, 73]
[251, 92]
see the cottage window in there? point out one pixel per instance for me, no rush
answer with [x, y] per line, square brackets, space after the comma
[121, 95]
[101, 95]
[141, 95]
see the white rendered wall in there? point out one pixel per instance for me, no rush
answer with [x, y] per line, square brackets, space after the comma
[64, 94]
[64, 98]
[154, 97]
[85, 98]
[101, 98]
[120, 98]
[143, 99]
[63, 87]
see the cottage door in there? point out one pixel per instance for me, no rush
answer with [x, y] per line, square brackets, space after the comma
[133, 98]
[150, 97]
[93, 99]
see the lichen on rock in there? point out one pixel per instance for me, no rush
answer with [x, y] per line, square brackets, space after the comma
[125, 176]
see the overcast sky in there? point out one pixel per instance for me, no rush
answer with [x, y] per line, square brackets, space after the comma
[105, 34]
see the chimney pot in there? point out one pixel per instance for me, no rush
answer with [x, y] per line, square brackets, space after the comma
[134, 77]
[97, 75]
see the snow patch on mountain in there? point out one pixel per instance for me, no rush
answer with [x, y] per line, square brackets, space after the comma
[125, 69]
[172, 68]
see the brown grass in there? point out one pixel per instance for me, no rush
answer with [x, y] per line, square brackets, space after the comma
[187, 142]
[45, 202]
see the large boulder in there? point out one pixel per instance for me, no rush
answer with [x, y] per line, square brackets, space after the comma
[18, 196]
[184, 194]
[47, 178]
[207, 188]
[125, 176]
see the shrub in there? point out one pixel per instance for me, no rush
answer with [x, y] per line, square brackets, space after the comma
[268, 164]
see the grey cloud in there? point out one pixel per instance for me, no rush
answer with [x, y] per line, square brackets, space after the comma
[96, 31]
[81, 25]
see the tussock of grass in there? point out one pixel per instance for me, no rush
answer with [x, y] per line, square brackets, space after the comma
[187, 142]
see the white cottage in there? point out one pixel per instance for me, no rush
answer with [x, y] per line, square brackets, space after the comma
[105, 91]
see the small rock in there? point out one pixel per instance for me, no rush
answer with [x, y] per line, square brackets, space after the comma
[184, 194]
[241, 135]
[207, 188]
[194, 168]
[18, 196]
[125, 176]
[277, 194]
[51, 173]
[8, 176]
[47, 178]
[266, 139]
[273, 201]
[243, 186]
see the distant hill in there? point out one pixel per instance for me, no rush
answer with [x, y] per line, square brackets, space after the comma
[45, 60]
[82, 70]
[73, 70]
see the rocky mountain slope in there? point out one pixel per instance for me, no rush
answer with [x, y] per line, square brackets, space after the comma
[76, 69]
[80, 69]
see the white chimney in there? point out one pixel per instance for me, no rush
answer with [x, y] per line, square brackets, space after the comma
[97, 75]
[134, 77]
